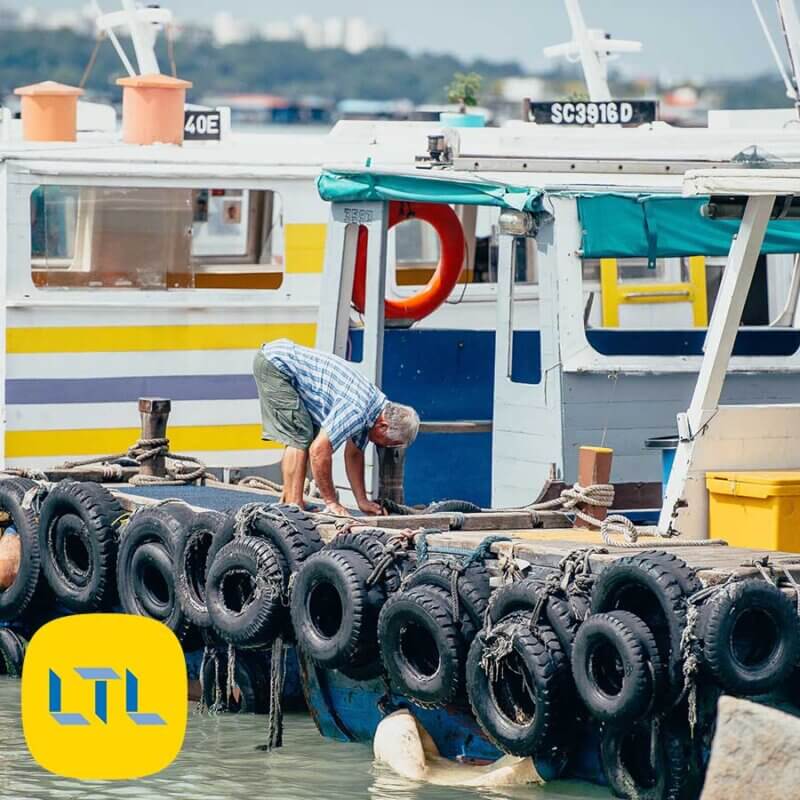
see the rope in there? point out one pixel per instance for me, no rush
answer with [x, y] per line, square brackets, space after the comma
[277, 679]
[171, 51]
[92, 59]
[202, 707]
[145, 450]
[230, 678]
[478, 553]
[598, 495]
[396, 547]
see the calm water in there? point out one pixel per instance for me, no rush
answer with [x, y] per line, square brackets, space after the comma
[218, 762]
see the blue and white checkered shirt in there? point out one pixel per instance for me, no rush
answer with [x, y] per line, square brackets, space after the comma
[340, 400]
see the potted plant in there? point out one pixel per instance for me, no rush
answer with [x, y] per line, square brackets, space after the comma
[464, 90]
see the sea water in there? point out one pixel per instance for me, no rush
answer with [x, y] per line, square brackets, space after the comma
[220, 761]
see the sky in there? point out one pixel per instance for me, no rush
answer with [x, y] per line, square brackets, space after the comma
[681, 38]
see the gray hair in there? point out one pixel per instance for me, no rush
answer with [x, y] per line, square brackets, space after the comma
[402, 422]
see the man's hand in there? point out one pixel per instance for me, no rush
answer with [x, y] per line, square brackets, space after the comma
[372, 509]
[337, 509]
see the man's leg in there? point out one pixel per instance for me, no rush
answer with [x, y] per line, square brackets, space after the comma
[294, 465]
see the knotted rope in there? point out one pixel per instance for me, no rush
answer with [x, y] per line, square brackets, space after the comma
[599, 495]
[395, 548]
[277, 678]
[179, 469]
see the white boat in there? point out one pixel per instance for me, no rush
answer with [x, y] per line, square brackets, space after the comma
[159, 270]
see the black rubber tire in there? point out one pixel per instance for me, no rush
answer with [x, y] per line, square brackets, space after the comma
[750, 635]
[244, 593]
[153, 584]
[12, 653]
[473, 588]
[684, 574]
[453, 507]
[616, 667]
[519, 596]
[17, 597]
[250, 676]
[82, 573]
[525, 710]
[560, 615]
[649, 589]
[564, 614]
[302, 522]
[370, 544]
[192, 562]
[180, 510]
[157, 527]
[334, 613]
[626, 755]
[282, 529]
[421, 646]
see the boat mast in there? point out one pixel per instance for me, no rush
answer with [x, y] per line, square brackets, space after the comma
[144, 25]
[787, 10]
[593, 48]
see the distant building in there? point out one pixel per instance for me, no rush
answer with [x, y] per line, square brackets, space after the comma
[353, 34]
[227, 29]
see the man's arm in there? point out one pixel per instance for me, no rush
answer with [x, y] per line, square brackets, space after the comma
[321, 456]
[354, 464]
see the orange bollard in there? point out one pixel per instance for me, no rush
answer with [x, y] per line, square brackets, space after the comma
[594, 467]
[152, 109]
[49, 112]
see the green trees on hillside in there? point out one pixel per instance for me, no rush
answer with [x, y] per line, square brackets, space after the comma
[286, 68]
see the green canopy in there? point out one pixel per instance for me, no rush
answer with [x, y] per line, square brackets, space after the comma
[614, 225]
[666, 226]
[352, 187]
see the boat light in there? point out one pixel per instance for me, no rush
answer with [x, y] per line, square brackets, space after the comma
[517, 223]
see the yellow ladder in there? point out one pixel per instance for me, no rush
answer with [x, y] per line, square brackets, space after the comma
[615, 294]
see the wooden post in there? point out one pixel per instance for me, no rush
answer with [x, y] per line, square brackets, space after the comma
[155, 414]
[391, 466]
[594, 466]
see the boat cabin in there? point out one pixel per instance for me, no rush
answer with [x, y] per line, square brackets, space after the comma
[606, 279]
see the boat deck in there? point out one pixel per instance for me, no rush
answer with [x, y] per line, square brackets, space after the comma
[543, 547]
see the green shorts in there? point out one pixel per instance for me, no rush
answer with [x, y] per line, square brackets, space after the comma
[284, 418]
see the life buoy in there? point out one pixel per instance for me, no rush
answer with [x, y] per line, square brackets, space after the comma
[452, 248]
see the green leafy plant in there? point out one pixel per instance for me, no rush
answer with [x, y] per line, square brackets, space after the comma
[464, 90]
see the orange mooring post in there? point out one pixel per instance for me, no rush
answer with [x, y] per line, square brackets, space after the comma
[594, 467]
[152, 109]
[49, 112]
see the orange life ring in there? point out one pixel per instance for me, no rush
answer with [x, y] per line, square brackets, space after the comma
[452, 248]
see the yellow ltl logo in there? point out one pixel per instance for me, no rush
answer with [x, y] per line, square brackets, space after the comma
[104, 697]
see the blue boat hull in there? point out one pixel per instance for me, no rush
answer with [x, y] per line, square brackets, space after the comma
[350, 711]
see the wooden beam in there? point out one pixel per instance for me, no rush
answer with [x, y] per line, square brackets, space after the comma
[155, 414]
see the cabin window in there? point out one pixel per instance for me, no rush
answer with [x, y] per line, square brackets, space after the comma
[155, 238]
[631, 308]
[416, 250]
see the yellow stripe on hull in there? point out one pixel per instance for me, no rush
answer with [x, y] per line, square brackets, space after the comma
[152, 338]
[305, 248]
[103, 441]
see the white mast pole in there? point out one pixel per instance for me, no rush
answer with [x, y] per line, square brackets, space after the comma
[791, 30]
[143, 35]
[594, 67]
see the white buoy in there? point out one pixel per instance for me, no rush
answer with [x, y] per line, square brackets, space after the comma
[403, 745]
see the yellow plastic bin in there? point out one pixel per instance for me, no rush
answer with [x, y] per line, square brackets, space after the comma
[755, 509]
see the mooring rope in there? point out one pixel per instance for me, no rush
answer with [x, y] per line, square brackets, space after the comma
[177, 469]
[277, 679]
[598, 495]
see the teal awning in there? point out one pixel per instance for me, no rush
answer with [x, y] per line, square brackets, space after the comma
[338, 187]
[666, 226]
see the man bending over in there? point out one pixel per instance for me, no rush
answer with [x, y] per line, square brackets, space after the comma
[313, 403]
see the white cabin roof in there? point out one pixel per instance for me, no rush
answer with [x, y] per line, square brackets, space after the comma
[755, 182]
